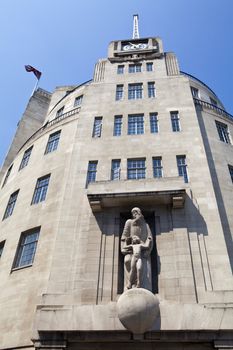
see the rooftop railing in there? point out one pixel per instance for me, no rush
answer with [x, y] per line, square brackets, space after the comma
[213, 107]
[52, 122]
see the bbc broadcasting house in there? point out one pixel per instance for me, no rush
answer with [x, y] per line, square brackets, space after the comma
[140, 134]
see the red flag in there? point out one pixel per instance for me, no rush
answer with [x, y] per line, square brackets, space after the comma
[34, 70]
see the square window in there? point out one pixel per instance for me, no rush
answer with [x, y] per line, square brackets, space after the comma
[135, 68]
[41, 189]
[136, 168]
[78, 101]
[136, 124]
[135, 91]
[27, 248]
[53, 141]
[120, 69]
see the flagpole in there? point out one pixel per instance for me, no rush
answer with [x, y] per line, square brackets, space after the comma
[35, 87]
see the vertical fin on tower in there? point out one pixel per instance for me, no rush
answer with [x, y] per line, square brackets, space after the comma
[135, 27]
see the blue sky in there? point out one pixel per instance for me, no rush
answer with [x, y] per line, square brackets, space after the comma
[64, 39]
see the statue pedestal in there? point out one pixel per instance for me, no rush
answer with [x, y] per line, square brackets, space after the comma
[137, 310]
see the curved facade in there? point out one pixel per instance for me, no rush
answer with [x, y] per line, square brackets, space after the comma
[141, 133]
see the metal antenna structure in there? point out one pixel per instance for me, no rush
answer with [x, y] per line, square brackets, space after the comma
[135, 27]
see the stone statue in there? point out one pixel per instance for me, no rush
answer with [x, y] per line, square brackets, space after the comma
[136, 245]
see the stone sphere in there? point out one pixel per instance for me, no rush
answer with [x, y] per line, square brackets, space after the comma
[137, 310]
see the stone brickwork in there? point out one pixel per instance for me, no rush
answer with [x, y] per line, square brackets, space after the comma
[66, 298]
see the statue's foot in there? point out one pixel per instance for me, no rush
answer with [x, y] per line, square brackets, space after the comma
[129, 286]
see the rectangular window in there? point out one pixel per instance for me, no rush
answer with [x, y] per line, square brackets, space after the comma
[25, 159]
[135, 124]
[2, 247]
[91, 172]
[135, 68]
[154, 127]
[10, 205]
[157, 167]
[119, 92]
[223, 132]
[195, 92]
[151, 89]
[27, 248]
[97, 127]
[117, 125]
[230, 167]
[149, 67]
[116, 169]
[175, 120]
[135, 91]
[120, 69]
[182, 167]
[41, 189]
[7, 175]
[60, 112]
[136, 168]
[53, 141]
[78, 101]
[213, 101]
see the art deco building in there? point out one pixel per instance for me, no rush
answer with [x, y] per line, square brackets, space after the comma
[140, 133]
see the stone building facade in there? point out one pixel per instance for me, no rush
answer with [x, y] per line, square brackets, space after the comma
[140, 133]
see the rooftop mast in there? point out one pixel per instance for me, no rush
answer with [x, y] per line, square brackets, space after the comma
[135, 27]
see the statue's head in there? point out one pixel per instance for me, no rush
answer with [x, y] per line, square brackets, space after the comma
[136, 240]
[136, 212]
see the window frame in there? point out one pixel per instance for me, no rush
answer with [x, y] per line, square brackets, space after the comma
[151, 89]
[230, 168]
[135, 91]
[78, 101]
[149, 64]
[22, 248]
[119, 92]
[182, 167]
[135, 68]
[91, 172]
[157, 168]
[223, 132]
[2, 245]
[137, 170]
[175, 121]
[41, 189]
[195, 92]
[120, 69]
[116, 175]
[10, 205]
[25, 158]
[8, 172]
[136, 124]
[117, 127]
[154, 123]
[60, 112]
[97, 127]
[53, 142]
